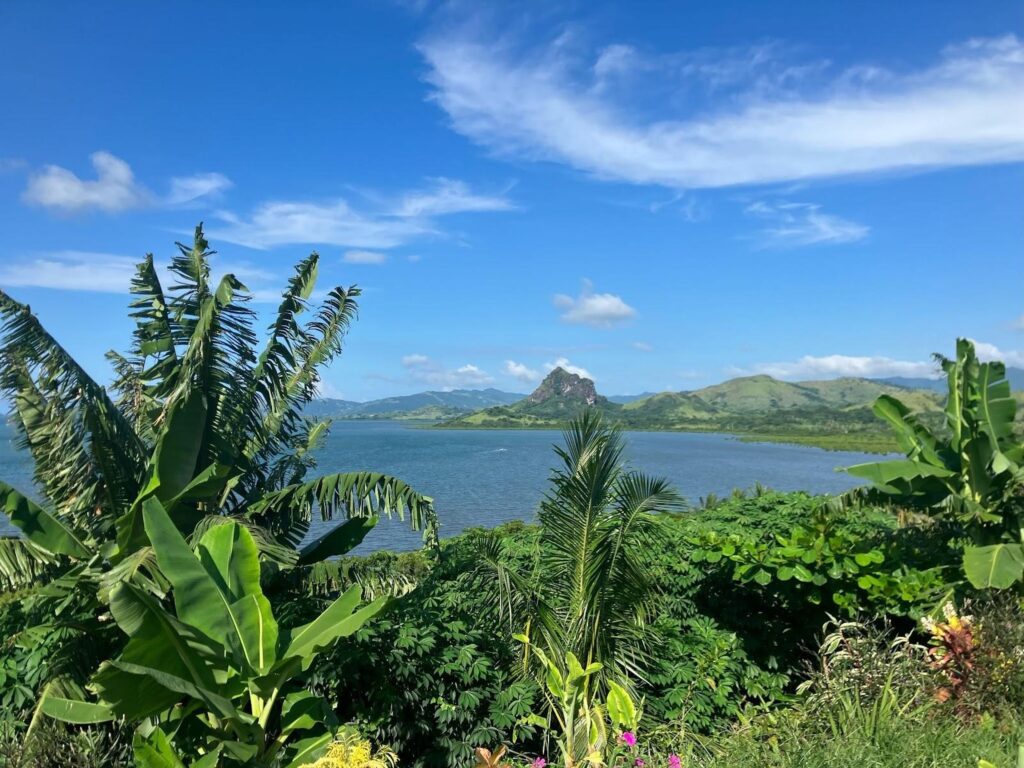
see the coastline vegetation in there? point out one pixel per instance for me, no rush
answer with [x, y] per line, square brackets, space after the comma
[165, 606]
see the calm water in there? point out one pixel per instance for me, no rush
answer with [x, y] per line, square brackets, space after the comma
[484, 478]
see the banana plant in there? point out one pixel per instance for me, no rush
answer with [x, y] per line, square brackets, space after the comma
[205, 422]
[581, 721]
[215, 682]
[972, 473]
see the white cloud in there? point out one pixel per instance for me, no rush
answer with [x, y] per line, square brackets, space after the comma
[565, 365]
[642, 346]
[551, 104]
[327, 223]
[796, 224]
[364, 257]
[337, 222]
[187, 189]
[425, 370]
[449, 196]
[111, 273]
[71, 271]
[1018, 324]
[114, 188]
[521, 371]
[989, 352]
[830, 366]
[599, 310]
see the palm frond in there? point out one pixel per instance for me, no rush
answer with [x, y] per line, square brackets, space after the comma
[287, 512]
[23, 564]
[58, 407]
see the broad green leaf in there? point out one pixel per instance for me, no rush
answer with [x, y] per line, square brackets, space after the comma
[257, 632]
[156, 640]
[197, 599]
[155, 751]
[883, 473]
[216, 703]
[997, 566]
[177, 448]
[621, 708]
[73, 711]
[39, 526]
[231, 558]
[308, 750]
[209, 760]
[340, 619]
[303, 710]
[206, 484]
[913, 438]
[339, 540]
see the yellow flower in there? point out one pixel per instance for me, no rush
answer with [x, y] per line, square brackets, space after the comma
[353, 752]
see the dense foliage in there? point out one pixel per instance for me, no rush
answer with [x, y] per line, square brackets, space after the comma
[166, 605]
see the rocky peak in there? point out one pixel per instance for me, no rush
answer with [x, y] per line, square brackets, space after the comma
[561, 383]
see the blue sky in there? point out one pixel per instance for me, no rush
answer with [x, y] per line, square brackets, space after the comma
[662, 195]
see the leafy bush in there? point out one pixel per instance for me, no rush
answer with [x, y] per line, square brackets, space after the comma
[215, 682]
[871, 702]
[434, 677]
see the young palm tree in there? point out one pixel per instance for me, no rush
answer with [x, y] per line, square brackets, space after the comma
[588, 593]
[203, 422]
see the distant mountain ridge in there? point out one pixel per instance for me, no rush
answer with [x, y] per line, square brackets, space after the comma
[427, 405]
[1013, 375]
[834, 413]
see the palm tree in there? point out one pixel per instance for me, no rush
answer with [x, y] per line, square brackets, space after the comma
[588, 593]
[202, 422]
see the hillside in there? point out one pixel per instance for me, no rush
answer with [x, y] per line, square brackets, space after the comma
[558, 398]
[1013, 375]
[422, 405]
[834, 413]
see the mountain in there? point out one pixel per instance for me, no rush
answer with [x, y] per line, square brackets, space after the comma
[1014, 375]
[835, 413]
[422, 405]
[558, 398]
[623, 399]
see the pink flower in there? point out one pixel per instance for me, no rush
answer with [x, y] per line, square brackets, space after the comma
[540, 762]
[674, 761]
[638, 763]
[630, 738]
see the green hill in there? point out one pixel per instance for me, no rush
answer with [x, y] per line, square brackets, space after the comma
[835, 413]
[558, 398]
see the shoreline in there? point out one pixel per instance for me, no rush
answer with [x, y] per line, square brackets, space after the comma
[827, 442]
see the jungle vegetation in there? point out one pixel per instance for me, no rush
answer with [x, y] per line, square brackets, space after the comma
[165, 605]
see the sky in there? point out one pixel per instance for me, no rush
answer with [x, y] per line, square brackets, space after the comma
[659, 195]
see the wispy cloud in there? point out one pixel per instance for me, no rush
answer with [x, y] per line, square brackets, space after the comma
[830, 366]
[795, 224]
[425, 370]
[565, 365]
[642, 346]
[448, 196]
[1018, 324]
[338, 222]
[556, 103]
[114, 189]
[598, 310]
[95, 272]
[521, 371]
[71, 271]
[364, 257]
[187, 189]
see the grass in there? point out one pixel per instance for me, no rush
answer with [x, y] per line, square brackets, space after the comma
[881, 443]
[899, 742]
